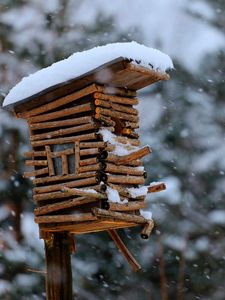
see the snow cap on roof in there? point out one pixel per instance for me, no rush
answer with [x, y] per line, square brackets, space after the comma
[82, 62]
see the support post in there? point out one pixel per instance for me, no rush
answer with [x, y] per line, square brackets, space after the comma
[58, 266]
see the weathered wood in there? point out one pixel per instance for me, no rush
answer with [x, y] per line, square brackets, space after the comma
[77, 157]
[61, 113]
[130, 133]
[106, 120]
[125, 179]
[36, 173]
[65, 218]
[89, 151]
[57, 103]
[63, 123]
[128, 124]
[113, 159]
[88, 161]
[65, 168]
[116, 114]
[129, 206]
[134, 155]
[111, 168]
[64, 140]
[89, 168]
[102, 213]
[115, 106]
[83, 192]
[57, 187]
[62, 132]
[44, 180]
[49, 208]
[123, 249]
[92, 145]
[146, 231]
[124, 192]
[156, 188]
[58, 266]
[117, 99]
[50, 161]
[29, 154]
[32, 163]
[68, 151]
[86, 227]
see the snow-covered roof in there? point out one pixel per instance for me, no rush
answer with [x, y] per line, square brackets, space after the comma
[83, 62]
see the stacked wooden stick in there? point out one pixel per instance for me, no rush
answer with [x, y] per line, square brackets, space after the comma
[86, 159]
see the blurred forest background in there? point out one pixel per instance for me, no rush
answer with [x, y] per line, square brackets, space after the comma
[183, 121]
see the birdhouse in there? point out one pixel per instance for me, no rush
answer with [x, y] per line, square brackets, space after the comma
[86, 153]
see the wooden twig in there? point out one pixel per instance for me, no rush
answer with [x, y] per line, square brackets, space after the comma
[89, 151]
[119, 107]
[64, 140]
[119, 179]
[129, 206]
[83, 193]
[123, 249]
[58, 187]
[32, 163]
[61, 113]
[93, 145]
[111, 168]
[116, 114]
[134, 155]
[88, 161]
[36, 173]
[113, 159]
[127, 124]
[65, 218]
[77, 157]
[57, 103]
[44, 180]
[117, 99]
[130, 133]
[63, 123]
[62, 132]
[49, 208]
[156, 188]
[146, 231]
[50, 161]
[106, 120]
[102, 213]
[89, 168]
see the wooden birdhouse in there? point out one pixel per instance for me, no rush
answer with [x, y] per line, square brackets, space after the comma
[86, 153]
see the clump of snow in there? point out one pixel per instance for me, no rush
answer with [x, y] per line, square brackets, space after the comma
[147, 214]
[120, 149]
[137, 192]
[82, 62]
[92, 191]
[155, 183]
[113, 196]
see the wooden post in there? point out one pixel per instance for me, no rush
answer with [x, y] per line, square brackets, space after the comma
[58, 266]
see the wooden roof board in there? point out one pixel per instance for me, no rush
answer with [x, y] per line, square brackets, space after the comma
[119, 72]
[87, 227]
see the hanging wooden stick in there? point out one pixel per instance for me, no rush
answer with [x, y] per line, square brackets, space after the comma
[146, 231]
[123, 249]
